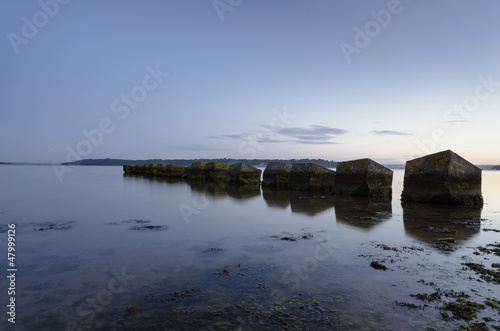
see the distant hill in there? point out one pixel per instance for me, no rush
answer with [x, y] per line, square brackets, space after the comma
[496, 167]
[186, 162]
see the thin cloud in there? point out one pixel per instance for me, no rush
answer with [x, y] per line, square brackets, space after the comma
[312, 135]
[200, 147]
[228, 136]
[393, 133]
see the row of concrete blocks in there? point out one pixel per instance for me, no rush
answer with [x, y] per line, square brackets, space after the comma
[443, 177]
[239, 173]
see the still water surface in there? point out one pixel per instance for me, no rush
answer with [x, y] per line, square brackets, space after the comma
[103, 251]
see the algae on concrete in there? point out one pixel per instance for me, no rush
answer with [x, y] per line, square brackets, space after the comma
[241, 173]
[276, 174]
[311, 177]
[444, 178]
[363, 177]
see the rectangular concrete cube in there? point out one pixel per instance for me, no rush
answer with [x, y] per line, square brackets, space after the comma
[241, 173]
[363, 177]
[217, 171]
[311, 177]
[276, 174]
[443, 177]
[195, 171]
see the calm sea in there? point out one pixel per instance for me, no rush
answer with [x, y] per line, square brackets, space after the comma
[104, 251]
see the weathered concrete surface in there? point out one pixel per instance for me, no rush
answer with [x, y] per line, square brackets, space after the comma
[170, 170]
[311, 177]
[363, 177]
[242, 173]
[217, 171]
[195, 171]
[276, 174]
[443, 177]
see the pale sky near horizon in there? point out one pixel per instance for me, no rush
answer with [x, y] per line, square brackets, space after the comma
[339, 80]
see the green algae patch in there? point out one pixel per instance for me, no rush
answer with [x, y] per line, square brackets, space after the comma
[195, 171]
[217, 171]
[244, 174]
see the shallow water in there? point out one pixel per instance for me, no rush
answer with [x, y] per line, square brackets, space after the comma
[100, 250]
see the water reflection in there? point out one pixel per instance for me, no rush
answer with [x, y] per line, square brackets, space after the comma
[300, 202]
[310, 204]
[152, 179]
[363, 212]
[428, 222]
[220, 190]
[276, 198]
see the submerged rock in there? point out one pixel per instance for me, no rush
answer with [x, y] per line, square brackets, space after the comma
[444, 178]
[311, 177]
[363, 177]
[195, 171]
[276, 174]
[242, 173]
[217, 171]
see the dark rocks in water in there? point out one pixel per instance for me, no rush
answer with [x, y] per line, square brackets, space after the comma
[311, 177]
[241, 173]
[276, 174]
[148, 227]
[195, 171]
[378, 265]
[444, 178]
[363, 177]
[217, 171]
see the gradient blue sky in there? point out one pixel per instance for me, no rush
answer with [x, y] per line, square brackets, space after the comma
[233, 68]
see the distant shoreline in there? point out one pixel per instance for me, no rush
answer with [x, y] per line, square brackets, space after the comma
[262, 163]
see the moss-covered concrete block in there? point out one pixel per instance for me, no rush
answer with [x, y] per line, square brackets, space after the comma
[276, 174]
[241, 173]
[443, 177]
[174, 171]
[127, 169]
[217, 171]
[311, 177]
[139, 169]
[363, 177]
[195, 171]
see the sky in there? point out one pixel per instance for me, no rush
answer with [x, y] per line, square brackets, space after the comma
[339, 80]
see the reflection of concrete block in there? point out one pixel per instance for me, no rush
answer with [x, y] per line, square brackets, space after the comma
[443, 177]
[276, 174]
[311, 177]
[363, 177]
